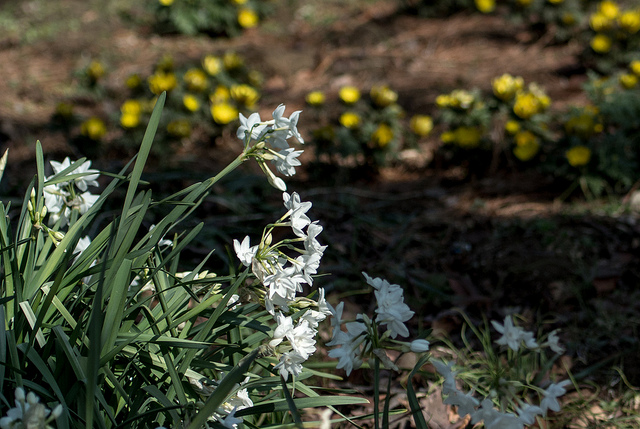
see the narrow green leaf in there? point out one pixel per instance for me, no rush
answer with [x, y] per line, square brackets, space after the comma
[416, 409]
[292, 406]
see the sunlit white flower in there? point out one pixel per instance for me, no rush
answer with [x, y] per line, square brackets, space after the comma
[244, 251]
[348, 354]
[290, 363]
[252, 126]
[81, 182]
[231, 421]
[287, 160]
[83, 202]
[392, 311]
[290, 124]
[550, 400]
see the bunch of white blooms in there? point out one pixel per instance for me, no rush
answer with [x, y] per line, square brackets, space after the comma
[267, 141]
[512, 337]
[29, 413]
[63, 197]
[362, 338]
[282, 276]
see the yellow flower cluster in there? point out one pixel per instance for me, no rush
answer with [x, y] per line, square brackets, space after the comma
[382, 136]
[421, 125]
[530, 102]
[610, 24]
[130, 113]
[485, 6]
[162, 81]
[527, 145]
[350, 120]
[383, 96]
[212, 64]
[196, 80]
[94, 128]
[465, 137]
[506, 86]
[349, 94]
[245, 95]
[457, 99]
[224, 113]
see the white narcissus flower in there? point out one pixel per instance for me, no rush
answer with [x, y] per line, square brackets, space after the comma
[550, 400]
[554, 345]
[253, 126]
[513, 335]
[449, 384]
[286, 161]
[528, 413]
[465, 402]
[290, 124]
[231, 421]
[392, 311]
[81, 182]
[419, 346]
[244, 251]
[290, 363]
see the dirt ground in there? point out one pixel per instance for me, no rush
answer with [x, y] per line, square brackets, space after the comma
[483, 245]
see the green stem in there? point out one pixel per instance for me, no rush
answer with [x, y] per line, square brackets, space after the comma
[229, 168]
[376, 392]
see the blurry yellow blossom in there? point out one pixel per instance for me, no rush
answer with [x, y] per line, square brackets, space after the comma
[568, 18]
[244, 94]
[609, 9]
[527, 150]
[212, 64]
[634, 66]
[240, 2]
[131, 107]
[578, 156]
[196, 80]
[223, 113]
[599, 22]
[555, 1]
[95, 70]
[350, 120]
[133, 81]
[506, 86]
[525, 138]
[94, 128]
[383, 135]
[232, 61]
[448, 137]
[221, 94]
[179, 128]
[601, 43]
[512, 126]
[528, 104]
[459, 98]
[421, 125]
[161, 81]
[247, 18]
[349, 94]
[129, 120]
[382, 95]
[467, 137]
[443, 100]
[190, 102]
[166, 2]
[485, 6]
[315, 98]
[629, 21]
[628, 80]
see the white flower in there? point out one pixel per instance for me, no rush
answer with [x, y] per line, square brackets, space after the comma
[552, 342]
[252, 126]
[29, 411]
[290, 124]
[290, 363]
[286, 161]
[90, 179]
[163, 241]
[550, 400]
[348, 354]
[82, 202]
[244, 251]
[449, 384]
[285, 326]
[336, 319]
[392, 311]
[528, 413]
[231, 421]
[465, 402]
[82, 245]
[513, 335]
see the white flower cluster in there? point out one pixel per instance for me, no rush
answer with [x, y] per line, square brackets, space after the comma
[282, 277]
[63, 197]
[484, 411]
[267, 140]
[29, 412]
[361, 338]
[513, 336]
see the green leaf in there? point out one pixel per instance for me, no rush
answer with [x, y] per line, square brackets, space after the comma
[416, 409]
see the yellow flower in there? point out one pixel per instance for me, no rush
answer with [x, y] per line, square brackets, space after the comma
[512, 127]
[526, 105]
[599, 22]
[315, 98]
[609, 9]
[166, 2]
[349, 94]
[568, 18]
[179, 128]
[506, 86]
[459, 98]
[383, 135]
[601, 43]
[133, 81]
[223, 113]
[247, 18]
[94, 128]
[448, 137]
[629, 21]
[132, 107]
[468, 137]
[525, 138]
[221, 94]
[232, 61]
[129, 120]
[526, 151]
[350, 120]
[443, 100]
[212, 64]
[240, 2]
[578, 156]
[244, 94]
[95, 70]
[421, 125]
[382, 95]
[485, 6]
[196, 80]
[190, 102]
[628, 80]
[555, 1]
[634, 66]
[161, 81]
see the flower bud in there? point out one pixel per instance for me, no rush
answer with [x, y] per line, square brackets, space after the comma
[29, 206]
[20, 394]
[57, 411]
[419, 346]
